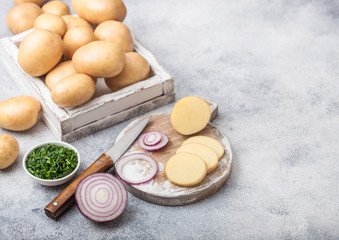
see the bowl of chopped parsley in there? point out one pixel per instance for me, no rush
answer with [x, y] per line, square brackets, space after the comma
[52, 163]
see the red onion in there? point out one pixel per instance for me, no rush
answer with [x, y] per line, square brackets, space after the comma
[136, 168]
[157, 146]
[152, 138]
[101, 197]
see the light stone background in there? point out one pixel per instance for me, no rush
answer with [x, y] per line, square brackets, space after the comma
[273, 68]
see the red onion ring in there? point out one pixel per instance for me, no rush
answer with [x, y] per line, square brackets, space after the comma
[136, 168]
[101, 197]
[151, 138]
[156, 147]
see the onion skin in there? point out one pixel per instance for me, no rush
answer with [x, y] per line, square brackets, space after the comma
[92, 188]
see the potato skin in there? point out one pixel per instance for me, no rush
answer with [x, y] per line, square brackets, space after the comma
[9, 150]
[19, 113]
[115, 31]
[73, 91]
[75, 38]
[136, 69]
[56, 7]
[21, 17]
[39, 52]
[73, 21]
[39, 2]
[98, 11]
[99, 59]
[62, 70]
[51, 22]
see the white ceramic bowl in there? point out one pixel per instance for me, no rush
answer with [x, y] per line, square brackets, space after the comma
[53, 182]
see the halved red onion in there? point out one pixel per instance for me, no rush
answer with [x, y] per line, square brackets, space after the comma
[101, 197]
[156, 147]
[136, 168]
[151, 138]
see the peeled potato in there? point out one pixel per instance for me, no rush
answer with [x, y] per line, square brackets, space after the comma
[73, 91]
[212, 143]
[73, 21]
[205, 153]
[39, 52]
[51, 22]
[19, 113]
[21, 17]
[190, 115]
[98, 11]
[99, 59]
[9, 150]
[75, 38]
[39, 2]
[62, 70]
[136, 69]
[115, 31]
[56, 7]
[185, 169]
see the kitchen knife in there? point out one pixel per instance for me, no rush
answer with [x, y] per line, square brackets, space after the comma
[66, 198]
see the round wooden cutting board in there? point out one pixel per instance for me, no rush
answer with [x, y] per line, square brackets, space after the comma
[160, 190]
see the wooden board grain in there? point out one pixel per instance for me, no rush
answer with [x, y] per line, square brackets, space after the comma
[161, 191]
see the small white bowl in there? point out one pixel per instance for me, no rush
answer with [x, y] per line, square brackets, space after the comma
[54, 182]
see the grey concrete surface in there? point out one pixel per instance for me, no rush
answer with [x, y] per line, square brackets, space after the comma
[273, 68]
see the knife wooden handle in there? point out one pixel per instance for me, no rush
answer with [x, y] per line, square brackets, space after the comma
[66, 198]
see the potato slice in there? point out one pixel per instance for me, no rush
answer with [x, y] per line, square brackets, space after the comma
[205, 153]
[213, 144]
[190, 115]
[185, 169]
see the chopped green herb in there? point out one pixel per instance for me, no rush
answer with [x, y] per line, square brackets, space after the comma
[51, 162]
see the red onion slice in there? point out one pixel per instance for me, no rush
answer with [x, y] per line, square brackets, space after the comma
[160, 145]
[136, 168]
[151, 138]
[101, 197]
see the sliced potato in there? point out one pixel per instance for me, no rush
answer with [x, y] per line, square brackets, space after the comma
[9, 150]
[62, 70]
[212, 143]
[19, 113]
[205, 153]
[73, 91]
[185, 169]
[56, 7]
[190, 115]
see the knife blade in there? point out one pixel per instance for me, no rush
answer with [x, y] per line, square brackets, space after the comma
[66, 198]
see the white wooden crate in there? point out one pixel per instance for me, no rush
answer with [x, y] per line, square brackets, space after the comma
[105, 109]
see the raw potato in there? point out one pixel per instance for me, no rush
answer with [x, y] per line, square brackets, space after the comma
[190, 115]
[98, 11]
[99, 59]
[205, 153]
[51, 22]
[19, 113]
[62, 70]
[39, 2]
[73, 91]
[73, 21]
[185, 169]
[213, 144]
[9, 150]
[136, 69]
[21, 17]
[56, 7]
[39, 52]
[75, 38]
[115, 31]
